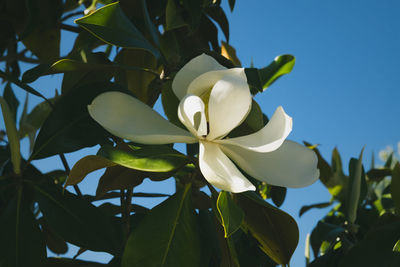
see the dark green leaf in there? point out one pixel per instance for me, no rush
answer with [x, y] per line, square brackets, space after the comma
[53, 241]
[355, 181]
[150, 25]
[395, 187]
[86, 165]
[253, 122]
[324, 232]
[278, 195]
[317, 205]
[231, 4]
[136, 81]
[69, 126]
[261, 79]
[275, 230]
[377, 175]
[376, 249]
[11, 99]
[110, 24]
[170, 104]
[76, 220]
[21, 85]
[118, 178]
[389, 161]
[173, 16]
[218, 14]
[149, 158]
[231, 214]
[21, 242]
[167, 236]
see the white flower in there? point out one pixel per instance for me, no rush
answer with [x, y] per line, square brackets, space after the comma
[213, 101]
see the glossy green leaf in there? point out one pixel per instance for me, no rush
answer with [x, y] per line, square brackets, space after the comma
[167, 236]
[110, 24]
[21, 242]
[376, 249]
[76, 220]
[69, 126]
[148, 158]
[12, 135]
[356, 178]
[86, 165]
[261, 79]
[118, 178]
[321, 205]
[231, 215]
[275, 230]
[396, 247]
[395, 187]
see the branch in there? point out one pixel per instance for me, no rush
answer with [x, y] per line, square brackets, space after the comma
[70, 28]
[68, 170]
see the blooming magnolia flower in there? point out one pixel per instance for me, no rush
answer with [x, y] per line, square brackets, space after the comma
[213, 101]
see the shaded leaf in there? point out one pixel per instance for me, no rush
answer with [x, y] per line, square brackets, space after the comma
[306, 208]
[275, 230]
[76, 220]
[84, 166]
[167, 235]
[53, 241]
[218, 15]
[230, 53]
[69, 126]
[118, 178]
[395, 187]
[21, 242]
[136, 81]
[170, 104]
[110, 24]
[12, 136]
[173, 16]
[148, 158]
[261, 79]
[231, 214]
[278, 194]
[376, 249]
[11, 100]
[377, 175]
[354, 192]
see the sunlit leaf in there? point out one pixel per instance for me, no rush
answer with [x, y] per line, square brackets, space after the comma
[148, 158]
[231, 214]
[167, 236]
[261, 79]
[230, 53]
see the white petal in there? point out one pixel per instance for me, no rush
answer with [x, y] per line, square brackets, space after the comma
[129, 118]
[228, 106]
[268, 138]
[191, 113]
[220, 171]
[291, 165]
[206, 81]
[191, 70]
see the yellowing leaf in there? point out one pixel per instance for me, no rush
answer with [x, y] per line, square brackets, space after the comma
[230, 53]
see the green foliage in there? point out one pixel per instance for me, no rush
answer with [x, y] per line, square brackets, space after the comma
[231, 215]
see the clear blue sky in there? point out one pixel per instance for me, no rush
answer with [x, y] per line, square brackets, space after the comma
[344, 90]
